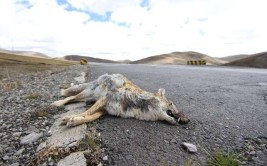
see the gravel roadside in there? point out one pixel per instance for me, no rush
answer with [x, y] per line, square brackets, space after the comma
[25, 116]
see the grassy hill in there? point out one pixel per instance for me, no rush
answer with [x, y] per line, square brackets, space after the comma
[258, 60]
[89, 59]
[25, 53]
[179, 58]
[15, 65]
[7, 59]
[234, 58]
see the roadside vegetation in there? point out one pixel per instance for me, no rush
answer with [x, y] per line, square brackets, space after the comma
[6, 59]
[220, 158]
[89, 146]
[32, 96]
[13, 66]
[27, 86]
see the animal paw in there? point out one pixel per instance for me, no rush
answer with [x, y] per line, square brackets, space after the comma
[57, 103]
[63, 92]
[74, 121]
[65, 120]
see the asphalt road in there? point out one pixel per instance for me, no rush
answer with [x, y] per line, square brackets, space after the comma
[227, 107]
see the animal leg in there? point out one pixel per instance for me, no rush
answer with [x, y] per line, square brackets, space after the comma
[77, 120]
[95, 108]
[74, 90]
[84, 95]
[99, 104]
[64, 101]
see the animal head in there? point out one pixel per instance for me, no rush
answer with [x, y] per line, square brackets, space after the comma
[171, 113]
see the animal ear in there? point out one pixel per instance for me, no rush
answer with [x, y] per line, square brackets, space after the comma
[161, 92]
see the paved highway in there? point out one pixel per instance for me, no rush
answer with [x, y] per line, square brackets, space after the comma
[227, 106]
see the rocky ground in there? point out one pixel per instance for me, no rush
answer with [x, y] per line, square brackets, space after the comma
[217, 122]
[25, 115]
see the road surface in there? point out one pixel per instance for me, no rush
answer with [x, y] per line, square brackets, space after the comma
[227, 108]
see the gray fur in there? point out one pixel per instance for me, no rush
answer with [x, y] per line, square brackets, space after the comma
[143, 106]
[94, 90]
[130, 100]
[121, 98]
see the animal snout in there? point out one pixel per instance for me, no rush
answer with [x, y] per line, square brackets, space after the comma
[183, 118]
[184, 121]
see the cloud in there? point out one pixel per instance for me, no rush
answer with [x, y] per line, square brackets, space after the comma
[101, 7]
[43, 24]
[133, 29]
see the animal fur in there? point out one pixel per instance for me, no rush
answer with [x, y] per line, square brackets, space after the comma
[116, 95]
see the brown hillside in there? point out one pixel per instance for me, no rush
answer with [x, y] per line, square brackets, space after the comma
[125, 61]
[6, 59]
[258, 60]
[234, 58]
[179, 58]
[25, 53]
[89, 59]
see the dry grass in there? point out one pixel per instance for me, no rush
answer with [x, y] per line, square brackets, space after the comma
[89, 146]
[13, 66]
[6, 59]
[32, 96]
[41, 114]
[222, 159]
[9, 85]
[190, 162]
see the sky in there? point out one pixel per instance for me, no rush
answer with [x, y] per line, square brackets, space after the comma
[133, 29]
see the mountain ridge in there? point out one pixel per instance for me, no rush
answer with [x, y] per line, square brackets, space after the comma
[89, 59]
[234, 57]
[247, 60]
[179, 58]
[258, 60]
[25, 53]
